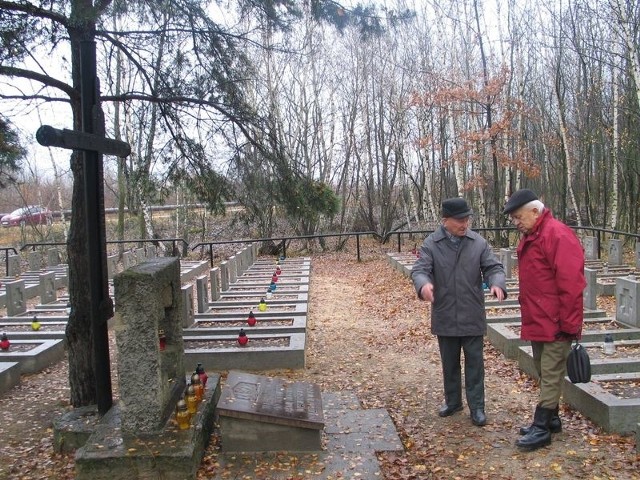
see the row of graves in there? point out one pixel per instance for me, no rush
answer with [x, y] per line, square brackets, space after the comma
[192, 361]
[612, 398]
[32, 332]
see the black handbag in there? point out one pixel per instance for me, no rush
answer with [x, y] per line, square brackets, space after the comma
[579, 364]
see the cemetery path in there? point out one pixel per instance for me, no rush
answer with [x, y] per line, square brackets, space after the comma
[367, 333]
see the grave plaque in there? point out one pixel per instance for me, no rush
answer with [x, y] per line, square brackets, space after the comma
[48, 292]
[188, 314]
[140, 255]
[590, 248]
[151, 251]
[202, 287]
[13, 266]
[112, 266]
[258, 413]
[215, 284]
[271, 400]
[128, 260]
[35, 261]
[628, 300]
[615, 252]
[507, 262]
[53, 257]
[233, 269]
[590, 294]
[224, 276]
[16, 301]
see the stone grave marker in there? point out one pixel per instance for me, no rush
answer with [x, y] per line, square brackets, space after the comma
[628, 300]
[259, 413]
[53, 257]
[128, 260]
[506, 259]
[590, 245]
[233, 269]
[16, 300]
[215, 284]
[48, 292]
[615, 252]
[202, 292]
[224, 276]
[151, 378]
[140, 255]
[112, 266]
[188, 314]
[590, 294]
[13, 266]
[152, 251]
[35, 261]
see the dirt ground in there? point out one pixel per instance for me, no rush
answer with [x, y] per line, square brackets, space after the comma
[368, 333]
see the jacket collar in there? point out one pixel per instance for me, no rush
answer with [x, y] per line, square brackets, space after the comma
[441, 234]
[546, 214]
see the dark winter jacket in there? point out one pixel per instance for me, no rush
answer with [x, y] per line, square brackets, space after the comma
[457, 276]
[551, 272]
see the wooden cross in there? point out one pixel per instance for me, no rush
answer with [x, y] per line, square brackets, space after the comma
[92, 145]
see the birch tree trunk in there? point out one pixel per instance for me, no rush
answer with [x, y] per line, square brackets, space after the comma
[567, 151]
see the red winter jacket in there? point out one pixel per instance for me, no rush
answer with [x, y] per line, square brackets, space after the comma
[551, 271]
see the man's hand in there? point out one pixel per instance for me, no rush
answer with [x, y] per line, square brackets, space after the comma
[498, 293]
[564, 336]
[426, 292]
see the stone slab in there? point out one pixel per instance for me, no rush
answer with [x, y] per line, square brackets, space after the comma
[349, 452]
[612, 413]
[252, 298]
[233, 291]
[40, 355]
[234, 310]
[510, 317]
[248, 357]
[192, 269]
[9, 375]
[22, 330]
[264, 325]
[171, 454]
[598, 365]
[259, 413]
[505, 339]
[271, 400]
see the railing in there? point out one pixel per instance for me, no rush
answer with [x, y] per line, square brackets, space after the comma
[283, 241]
[599, 232]
[173, 241]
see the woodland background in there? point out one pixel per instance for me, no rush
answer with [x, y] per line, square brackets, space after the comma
[322, 117]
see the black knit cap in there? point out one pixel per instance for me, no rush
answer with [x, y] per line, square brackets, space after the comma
[518, 199]
[455, 208]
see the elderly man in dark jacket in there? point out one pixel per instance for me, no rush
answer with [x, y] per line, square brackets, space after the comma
[453, 264]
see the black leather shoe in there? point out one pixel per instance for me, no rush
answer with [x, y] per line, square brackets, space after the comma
[447, 410]
[478, 418]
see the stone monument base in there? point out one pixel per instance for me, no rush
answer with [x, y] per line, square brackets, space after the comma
[170, 454]
[262, 414]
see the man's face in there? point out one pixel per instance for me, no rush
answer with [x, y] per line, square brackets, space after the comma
[456, 226]
[525, 218]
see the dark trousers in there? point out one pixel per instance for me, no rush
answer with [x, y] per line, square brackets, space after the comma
[450, 348]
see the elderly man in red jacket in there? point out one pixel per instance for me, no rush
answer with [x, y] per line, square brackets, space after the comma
[551, 278]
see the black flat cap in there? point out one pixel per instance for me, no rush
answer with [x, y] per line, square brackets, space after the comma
[518, 199]
[455, 208]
